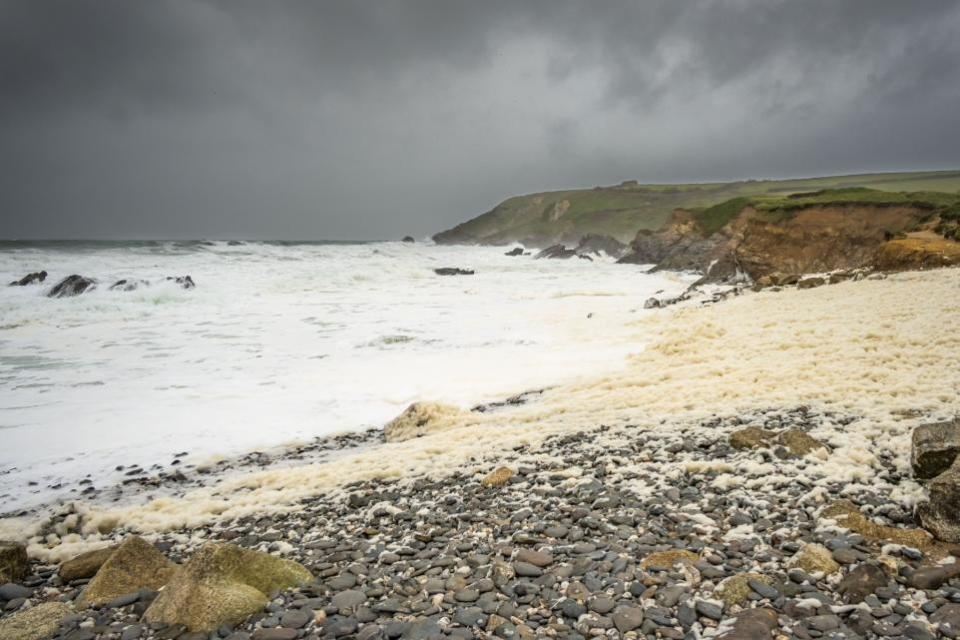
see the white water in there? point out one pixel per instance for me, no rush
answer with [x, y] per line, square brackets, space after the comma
[278, 344]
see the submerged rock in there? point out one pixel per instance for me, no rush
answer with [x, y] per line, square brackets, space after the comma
[222, 584]
[36, 623]
[86, 564]
[934, 448]
[185, 282]
[13, 561]
[940, 515]
[128, 285]
[31, 278]
[516, 251]
[408, 239]
[72, 286]
[136, 564]
[453, 271]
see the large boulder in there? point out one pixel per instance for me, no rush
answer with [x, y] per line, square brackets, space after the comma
[420, 419]
[13, 561]
[222, 584]
[86, 564]
[136, 564]
[935, 447]
[940, 515]
[36, 623]
[31, 278]
[861, 582]
[72, 286]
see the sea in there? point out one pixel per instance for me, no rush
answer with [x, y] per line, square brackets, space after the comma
[279, 343]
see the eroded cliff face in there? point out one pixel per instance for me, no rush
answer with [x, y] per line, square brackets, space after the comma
[807, 240]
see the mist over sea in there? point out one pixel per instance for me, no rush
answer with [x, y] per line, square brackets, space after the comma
[278, 343]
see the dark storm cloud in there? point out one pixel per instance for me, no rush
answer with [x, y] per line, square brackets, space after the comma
[361, 119]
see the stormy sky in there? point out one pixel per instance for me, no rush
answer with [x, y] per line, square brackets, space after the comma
[363, 120]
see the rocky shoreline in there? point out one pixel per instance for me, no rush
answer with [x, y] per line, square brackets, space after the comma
[610, 531]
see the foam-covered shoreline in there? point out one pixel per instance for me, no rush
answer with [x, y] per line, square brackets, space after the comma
[881, 350]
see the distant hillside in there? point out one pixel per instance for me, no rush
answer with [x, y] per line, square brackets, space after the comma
[541, 219]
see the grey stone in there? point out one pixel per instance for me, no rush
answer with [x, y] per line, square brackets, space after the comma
[527, 570]
[11, 591]
[627, 618]
[709, 609]
[349, 599]
[861, 582]
[296, 618]
[935, 447]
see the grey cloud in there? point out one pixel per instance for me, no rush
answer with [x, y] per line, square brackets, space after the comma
[170, 118]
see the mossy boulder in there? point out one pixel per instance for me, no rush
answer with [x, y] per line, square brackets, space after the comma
[420, 419]
[795, 442]
[86, 564]
[666, 560]
[736, 589]
[135, 564]
[847, 515]
[815, 558]
[799, 443]
[222, 584]
[13, 561]
[36, 623]
[498, 477]
[752, 438]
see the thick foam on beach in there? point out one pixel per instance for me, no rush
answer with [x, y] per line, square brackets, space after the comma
[879, 355]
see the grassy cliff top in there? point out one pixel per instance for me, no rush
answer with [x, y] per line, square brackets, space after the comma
[620, 211]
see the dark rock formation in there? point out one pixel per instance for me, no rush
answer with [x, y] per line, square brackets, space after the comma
[408, 239]
[31, 278]
[453, 271]
[72, 286]
[556, 252]
[594, 244]
[863, 581]
[935, 447]
[516, 251]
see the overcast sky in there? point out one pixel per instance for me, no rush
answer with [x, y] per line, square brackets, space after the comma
[175, 119]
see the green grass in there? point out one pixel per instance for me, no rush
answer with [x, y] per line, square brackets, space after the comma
[621, 211]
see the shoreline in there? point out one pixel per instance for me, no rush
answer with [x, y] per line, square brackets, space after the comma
[635, 463]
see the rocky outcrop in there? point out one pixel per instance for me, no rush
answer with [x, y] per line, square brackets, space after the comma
[13, 561]
[31, 278]
[222, 584]
[36, 623]
[135, 565]
[940, 514]
[917, 252]
[453, 271]
[72, 286]
[934, 448]
[85, 565]
[595, 244]
[516, 251]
